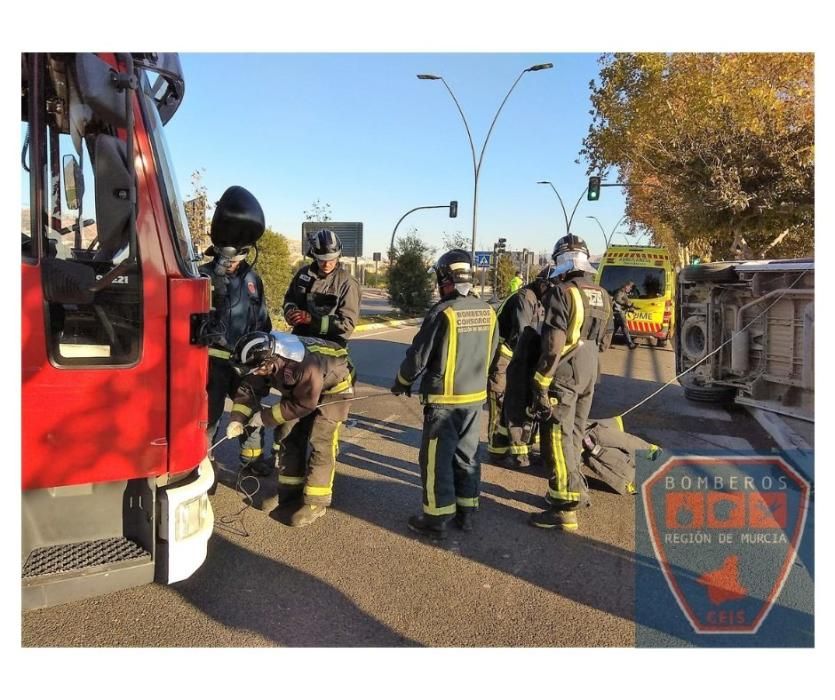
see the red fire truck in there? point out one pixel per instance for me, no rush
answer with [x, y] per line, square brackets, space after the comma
[115, 468]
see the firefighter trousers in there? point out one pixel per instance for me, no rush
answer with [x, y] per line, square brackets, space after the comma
[319, 436]
[496, 386]
[449, 468]
[224, 382]
[563, 432]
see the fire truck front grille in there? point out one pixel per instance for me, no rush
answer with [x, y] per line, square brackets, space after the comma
[81, 555]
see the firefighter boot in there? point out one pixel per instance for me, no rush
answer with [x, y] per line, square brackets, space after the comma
[464, 518]
[307, 514]
[552, 519]
[433, 528]
[288, 495]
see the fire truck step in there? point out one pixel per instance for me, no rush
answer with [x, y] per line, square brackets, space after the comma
[81, 555]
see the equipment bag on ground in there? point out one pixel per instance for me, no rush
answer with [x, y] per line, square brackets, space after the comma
[609, 453]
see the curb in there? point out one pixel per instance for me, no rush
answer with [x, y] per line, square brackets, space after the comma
[388, 324]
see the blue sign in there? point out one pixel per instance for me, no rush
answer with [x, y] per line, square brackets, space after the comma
[483, 258]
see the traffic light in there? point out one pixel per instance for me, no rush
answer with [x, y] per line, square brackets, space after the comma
[500, 246]
[453, 209]
[594, 189]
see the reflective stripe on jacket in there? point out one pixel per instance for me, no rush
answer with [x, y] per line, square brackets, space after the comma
[453, 350]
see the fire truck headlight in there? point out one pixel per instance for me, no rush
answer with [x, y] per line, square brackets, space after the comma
[191, 516]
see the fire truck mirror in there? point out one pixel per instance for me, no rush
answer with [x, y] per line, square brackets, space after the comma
[114, 196]
[98, 89]
[73, 182]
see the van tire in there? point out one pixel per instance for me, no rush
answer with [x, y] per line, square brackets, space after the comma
[709, 394]
[710, 272]
[693, 338]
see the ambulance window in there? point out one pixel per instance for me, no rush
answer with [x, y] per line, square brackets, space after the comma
[83, 327]
[649, 281]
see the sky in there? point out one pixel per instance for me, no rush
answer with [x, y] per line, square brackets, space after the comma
[360, 132]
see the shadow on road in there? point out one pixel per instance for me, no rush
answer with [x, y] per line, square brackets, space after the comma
[244, 590]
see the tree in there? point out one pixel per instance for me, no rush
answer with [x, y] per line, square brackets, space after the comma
[716, 146]
[198, 209]
[505, 271]
[409, 285]
[318, 212]
[273, 265]
[455, 240]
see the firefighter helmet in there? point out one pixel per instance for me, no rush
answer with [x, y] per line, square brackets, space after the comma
[253, 348]
[324, 245]
[455, 266]
[570, 254]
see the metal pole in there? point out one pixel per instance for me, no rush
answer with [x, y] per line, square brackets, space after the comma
[391, 247]
[477, 164]
[605, 239]
[564, 213]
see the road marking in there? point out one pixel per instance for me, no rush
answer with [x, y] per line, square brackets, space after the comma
[387, 330]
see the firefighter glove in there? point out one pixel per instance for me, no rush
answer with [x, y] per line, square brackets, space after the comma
[234, 429]
[398, 388]
[541, 406]
[297, 317]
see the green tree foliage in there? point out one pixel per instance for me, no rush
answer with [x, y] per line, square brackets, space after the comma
[409, 285]
[722, 144]
[505, 271]
[273, 265]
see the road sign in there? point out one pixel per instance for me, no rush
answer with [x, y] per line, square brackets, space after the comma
[349, 232]
[483, 258]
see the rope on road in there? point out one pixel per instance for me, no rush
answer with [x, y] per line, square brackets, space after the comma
[228, 522]
[711, 354]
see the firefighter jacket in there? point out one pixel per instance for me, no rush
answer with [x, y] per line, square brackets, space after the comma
[577, 308]
[324, 376]
[452, 350]
[518, 311]
[333, 301]
[240, 311]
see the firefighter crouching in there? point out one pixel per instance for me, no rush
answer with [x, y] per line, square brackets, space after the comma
[452, 350]
[576, 321]
[314, 377]
[515, 315]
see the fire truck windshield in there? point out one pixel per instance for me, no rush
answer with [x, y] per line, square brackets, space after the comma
[168, 182]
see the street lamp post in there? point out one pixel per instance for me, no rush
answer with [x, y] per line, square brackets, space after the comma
[568, 219]
[434, 206]
[477, 163]
[612, 234]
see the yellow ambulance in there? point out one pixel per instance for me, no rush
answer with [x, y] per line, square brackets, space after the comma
[653, 273]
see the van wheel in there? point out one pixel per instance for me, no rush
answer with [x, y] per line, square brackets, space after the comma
[710, 272]
[709, 394]
[694, 338]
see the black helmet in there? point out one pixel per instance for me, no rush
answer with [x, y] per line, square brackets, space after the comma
[568, 243]
[571, 254]
[253, 348]
[455, 266]
[238, 221]
[324, 245]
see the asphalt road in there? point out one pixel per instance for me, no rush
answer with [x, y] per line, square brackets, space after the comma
[357, 577]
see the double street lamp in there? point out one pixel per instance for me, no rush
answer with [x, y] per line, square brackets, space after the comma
[477, 163]
[568, 219]
[608, 239]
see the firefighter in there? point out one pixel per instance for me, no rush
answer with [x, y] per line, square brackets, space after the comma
[519, 311]
[452, 350]
[238, 309]
[574, 330]
[323, 300]
[314, 377]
